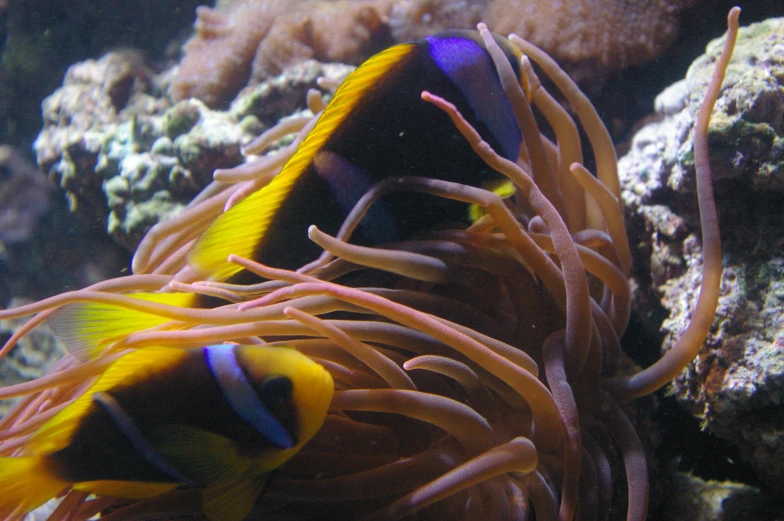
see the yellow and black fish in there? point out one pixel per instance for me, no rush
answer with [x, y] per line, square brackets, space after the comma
[377, 126]
[220, 417]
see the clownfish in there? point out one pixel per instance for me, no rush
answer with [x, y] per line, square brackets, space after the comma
[219, 417]
[376, 127]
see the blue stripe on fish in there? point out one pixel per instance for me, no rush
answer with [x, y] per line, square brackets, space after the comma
[241, 396]
[471, 69]
[128, 427]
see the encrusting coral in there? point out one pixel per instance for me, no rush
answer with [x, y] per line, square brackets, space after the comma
[477, 371]
[242, 42]
[129, 157]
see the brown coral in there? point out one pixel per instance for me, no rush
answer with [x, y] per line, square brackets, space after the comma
[610, 33]
[248, 40]
[217, 59]
[244, 41]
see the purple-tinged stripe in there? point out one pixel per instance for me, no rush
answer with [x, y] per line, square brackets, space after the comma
[241, 396]
[471, 70]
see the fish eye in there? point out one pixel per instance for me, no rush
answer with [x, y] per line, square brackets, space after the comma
[276, 390]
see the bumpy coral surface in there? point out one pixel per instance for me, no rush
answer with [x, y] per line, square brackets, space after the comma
[610, 33]
[734, 386]
[130, 158]
[241, 42]
[39, 249]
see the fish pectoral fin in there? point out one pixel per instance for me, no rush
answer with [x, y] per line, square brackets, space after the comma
[201, 455]
[125, 489]
[501, 187]
[233, 500]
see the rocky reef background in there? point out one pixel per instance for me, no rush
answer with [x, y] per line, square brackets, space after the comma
[734, 386]
[92, 93]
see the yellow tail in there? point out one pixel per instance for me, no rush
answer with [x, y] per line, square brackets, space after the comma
[26, 484]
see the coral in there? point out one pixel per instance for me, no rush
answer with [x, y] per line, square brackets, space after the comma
[129, 158]
[328, 31]
[244, 41]
[608, 33]
[734, 387]
[39, 252]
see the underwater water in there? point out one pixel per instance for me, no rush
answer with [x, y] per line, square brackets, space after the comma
[115, 119]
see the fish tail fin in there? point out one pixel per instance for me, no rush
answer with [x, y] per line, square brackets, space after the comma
[26, 484]
[87, 328]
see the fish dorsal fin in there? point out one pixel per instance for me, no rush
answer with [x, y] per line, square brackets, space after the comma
[241, 230]
[86, 328]
[203, 456]
[234, 499]
[56, 433]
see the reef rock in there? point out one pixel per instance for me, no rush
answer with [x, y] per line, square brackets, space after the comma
[42, 246]
[735, 384]
[126, 155]
[698, 500]
[24, 196]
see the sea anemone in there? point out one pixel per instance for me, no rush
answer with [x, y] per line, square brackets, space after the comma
[478, 371]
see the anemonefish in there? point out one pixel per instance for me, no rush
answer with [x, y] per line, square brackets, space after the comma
[219, 417]
[376, 126]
